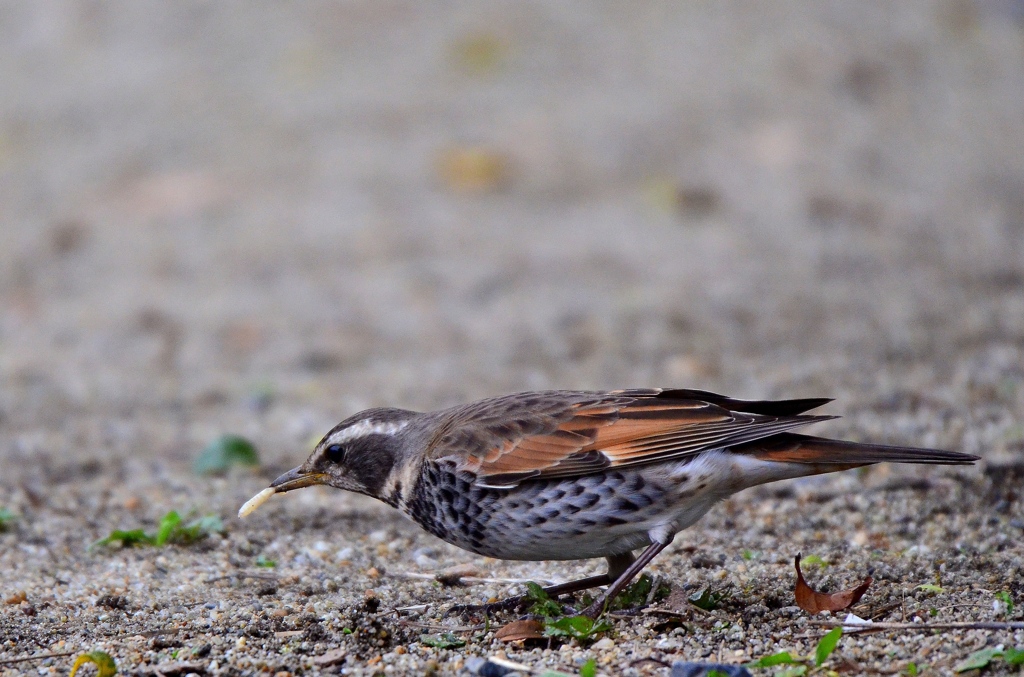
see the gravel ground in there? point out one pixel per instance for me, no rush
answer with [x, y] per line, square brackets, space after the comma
[258, 219]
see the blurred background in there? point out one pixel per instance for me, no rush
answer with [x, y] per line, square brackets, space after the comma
[261, 218]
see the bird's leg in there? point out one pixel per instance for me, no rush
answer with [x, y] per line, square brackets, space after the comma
[617, 564]
[597, 608]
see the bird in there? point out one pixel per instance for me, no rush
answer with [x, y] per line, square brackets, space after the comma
[571, 475]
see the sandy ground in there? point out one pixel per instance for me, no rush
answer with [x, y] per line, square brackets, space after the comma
[258, 219]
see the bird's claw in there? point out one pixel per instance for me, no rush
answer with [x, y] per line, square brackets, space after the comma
[594, 610]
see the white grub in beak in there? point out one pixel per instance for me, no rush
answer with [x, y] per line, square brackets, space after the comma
[256, 501]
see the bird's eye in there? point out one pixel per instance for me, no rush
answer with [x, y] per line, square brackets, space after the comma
[335, 453]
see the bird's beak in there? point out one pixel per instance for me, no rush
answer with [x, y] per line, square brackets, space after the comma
[297, 479]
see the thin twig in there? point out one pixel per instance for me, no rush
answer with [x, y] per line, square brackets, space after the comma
[43, 656]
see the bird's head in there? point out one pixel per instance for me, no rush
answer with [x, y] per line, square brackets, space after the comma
[359, 454]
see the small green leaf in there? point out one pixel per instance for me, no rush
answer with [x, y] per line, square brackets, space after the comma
[911, 670]
[749, 555]
[795, 671]
[827, 645]
[589, 669]
[224, 452]
[170, 530]
[198, 529]
[928, 587]
[541, 604]
[781, 658]
[265, 562]
[577, 627]
[715, 673]
[443, 641]
[1005, 597]
[6, 517]
[706, 599]
[105, 665]
[812, 560]
[637, 593]
[126, 538]
[1014, 656]
[980, 659]
[168, 524]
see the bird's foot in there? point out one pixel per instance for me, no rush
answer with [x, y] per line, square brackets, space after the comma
[596, 609]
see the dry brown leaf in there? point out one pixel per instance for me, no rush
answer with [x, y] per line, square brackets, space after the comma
[332, 657]
[812, 601]
[453, 575]
[17, 598]
[520, 630]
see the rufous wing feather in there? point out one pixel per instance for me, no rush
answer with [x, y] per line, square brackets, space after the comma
[624, 432]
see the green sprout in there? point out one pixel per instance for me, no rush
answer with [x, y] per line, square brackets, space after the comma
[6, 517]
[223, 453]
[170, 530]
[1005, 597]
[580, 628]
[706, 599]
[811, 560]
[799, 665]
[540, 603]
[637, 593]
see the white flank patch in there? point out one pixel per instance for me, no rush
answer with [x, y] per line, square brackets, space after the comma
[256, 501]
[726, 472]
[364, 428]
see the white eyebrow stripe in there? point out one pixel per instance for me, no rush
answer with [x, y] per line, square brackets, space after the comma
[368, 427]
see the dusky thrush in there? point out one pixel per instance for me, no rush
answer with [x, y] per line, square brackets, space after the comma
[557, 475]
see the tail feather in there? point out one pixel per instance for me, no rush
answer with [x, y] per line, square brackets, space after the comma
[838, 454]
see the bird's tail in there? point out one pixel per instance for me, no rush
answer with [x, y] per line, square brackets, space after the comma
[825, 455]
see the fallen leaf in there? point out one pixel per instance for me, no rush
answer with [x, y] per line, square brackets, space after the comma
[452, 576]
[979, 660]
[105, 664]
[520, 630]
[330, 658]
[17, 598]
[812, 601]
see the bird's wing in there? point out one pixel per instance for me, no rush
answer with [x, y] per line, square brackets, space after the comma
[504, 441]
